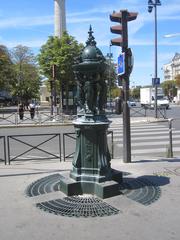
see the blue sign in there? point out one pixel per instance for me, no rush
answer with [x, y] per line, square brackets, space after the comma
[155, 81]
[121, 64]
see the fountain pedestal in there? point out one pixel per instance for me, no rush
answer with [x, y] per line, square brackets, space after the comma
[91, 172]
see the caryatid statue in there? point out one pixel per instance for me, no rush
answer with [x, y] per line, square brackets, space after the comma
[89, 71]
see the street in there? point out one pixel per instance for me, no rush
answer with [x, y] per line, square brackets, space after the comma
[147, 139]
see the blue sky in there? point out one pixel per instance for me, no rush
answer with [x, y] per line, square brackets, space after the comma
[30, 22]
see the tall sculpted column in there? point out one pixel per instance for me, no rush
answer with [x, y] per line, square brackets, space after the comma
[59, 17]
[91, 171]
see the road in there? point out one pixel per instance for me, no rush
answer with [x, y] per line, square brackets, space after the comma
[149, 140]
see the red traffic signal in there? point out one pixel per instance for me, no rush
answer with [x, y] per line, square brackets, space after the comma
[116, 29]
[117, 16]
[121, 17]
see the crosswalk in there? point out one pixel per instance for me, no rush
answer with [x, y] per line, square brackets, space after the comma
[147, 139]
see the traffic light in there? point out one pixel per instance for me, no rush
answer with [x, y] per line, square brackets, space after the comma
[125, 63]
[122, 17]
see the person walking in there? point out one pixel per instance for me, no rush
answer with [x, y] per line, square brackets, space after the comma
[21, 111]
[32, 110]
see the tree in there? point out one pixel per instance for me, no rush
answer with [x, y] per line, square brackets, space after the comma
[111, 76]
[27, 82]
[116, 92]
[61, 52]
[135, 92]
[6, 69]
[177, 80]
[169, 88]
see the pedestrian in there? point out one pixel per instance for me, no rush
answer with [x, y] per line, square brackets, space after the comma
[21, 111]
[32, 109]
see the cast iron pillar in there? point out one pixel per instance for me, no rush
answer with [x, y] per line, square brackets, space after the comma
[91, 172]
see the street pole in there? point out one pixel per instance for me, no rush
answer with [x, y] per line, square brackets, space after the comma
[51, 97]
[154, 4]
[54, 85]
[126, 111]
[123, 17]
[155, 44]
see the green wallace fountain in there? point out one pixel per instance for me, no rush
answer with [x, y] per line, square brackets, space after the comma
[91, 172]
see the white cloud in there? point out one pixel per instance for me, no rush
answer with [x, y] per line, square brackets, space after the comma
[146, 42]
[25, 21]
[34, 43]
[86, 19]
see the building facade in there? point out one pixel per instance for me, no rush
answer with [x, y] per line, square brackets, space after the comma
[172, 69]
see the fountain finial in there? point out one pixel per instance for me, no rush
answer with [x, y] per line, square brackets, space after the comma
[91, 41]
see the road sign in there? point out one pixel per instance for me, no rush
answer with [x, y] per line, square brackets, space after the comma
[121, 64]
[155, 81]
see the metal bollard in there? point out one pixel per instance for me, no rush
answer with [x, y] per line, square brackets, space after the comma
[16, 118]
[170, 148]
[39, 118]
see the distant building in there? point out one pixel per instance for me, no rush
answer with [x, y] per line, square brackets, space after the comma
[44, 95]
[172, 69]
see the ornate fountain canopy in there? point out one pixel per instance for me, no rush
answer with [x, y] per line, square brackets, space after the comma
[91, 58]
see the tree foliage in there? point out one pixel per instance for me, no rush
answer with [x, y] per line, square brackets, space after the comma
[116, 92]
[27, 78]
[6, 69]
[62, 53]
[135, 92]
[177, 80]
[169, 88]
[110, 76]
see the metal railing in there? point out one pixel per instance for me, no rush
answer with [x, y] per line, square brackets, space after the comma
[170, 121]
[70, 135]
[3, 149]
[40, 118]
[36, 145]
[8, 118]
[144, 111]
[11, 151]
[138, 111]
[44, 117]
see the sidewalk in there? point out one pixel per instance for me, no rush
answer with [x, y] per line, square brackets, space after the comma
[119, 120]
[21, 219]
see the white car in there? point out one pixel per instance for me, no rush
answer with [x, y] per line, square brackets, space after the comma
[131, 104]
[161, 102]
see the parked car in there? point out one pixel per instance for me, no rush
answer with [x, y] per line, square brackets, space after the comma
[131, 103]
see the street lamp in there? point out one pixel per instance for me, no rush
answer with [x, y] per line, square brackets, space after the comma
[154, 4]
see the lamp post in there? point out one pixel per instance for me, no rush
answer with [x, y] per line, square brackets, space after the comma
[154, 4]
